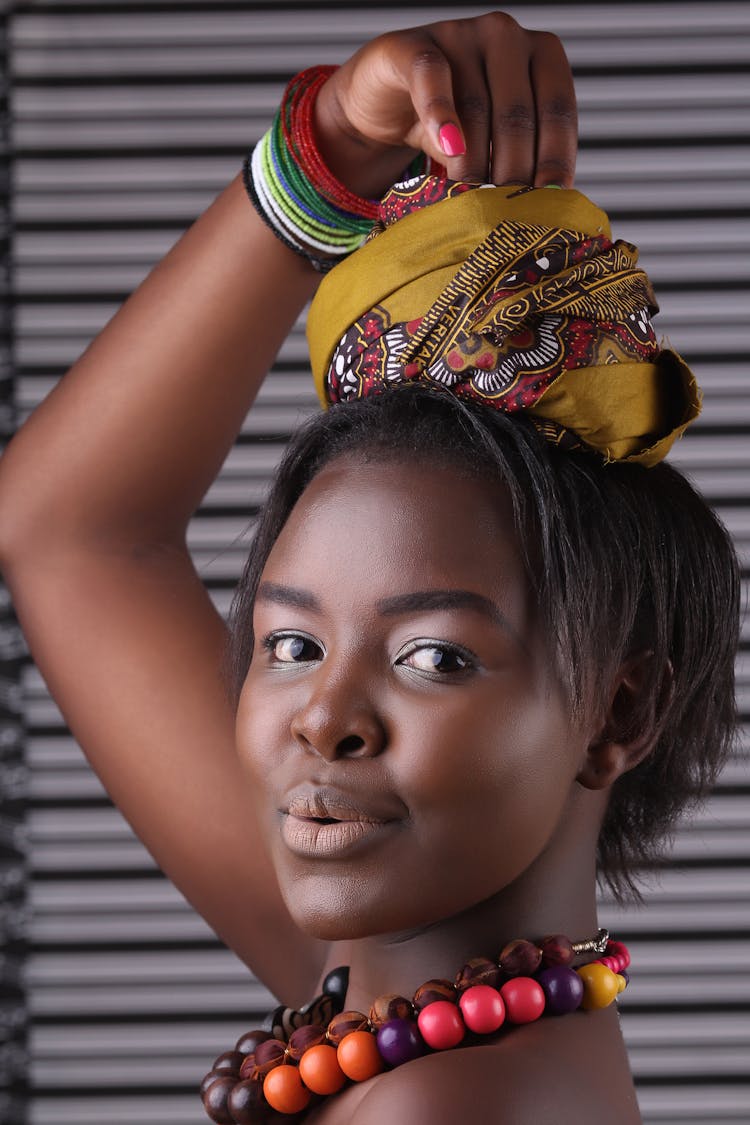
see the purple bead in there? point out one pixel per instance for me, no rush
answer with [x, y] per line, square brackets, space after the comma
[563, 988]
[399, 1042]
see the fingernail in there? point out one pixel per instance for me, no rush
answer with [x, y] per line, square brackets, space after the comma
[451, 141]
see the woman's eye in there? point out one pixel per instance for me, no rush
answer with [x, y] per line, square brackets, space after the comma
[436, 659]
[292, 648]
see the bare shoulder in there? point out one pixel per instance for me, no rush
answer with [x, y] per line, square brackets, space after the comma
[571, 1071]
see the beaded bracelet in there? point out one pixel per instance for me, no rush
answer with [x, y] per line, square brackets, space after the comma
[299, 1056]
[293, 191]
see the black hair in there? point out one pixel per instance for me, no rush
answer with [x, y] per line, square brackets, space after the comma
[621, 559]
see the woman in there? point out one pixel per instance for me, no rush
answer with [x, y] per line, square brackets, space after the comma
[404, 683]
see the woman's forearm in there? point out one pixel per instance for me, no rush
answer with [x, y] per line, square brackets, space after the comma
[129, 441]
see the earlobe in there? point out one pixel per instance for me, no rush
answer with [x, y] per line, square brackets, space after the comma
[632, 724]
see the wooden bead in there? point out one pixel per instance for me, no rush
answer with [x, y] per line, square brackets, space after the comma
[303, 1039]
[250, 1040]
[268, 1055]
[600, 986]
[524, 999]
[557, 950]
[246, 1102]
[388, 1007]
[211, 1077]
[358, 1056]
[520, 958]
[432, 991]
[216, 1099]
[230, 1062]
[483, 1009]
[320, 1071]
[343, 1024]
[440, 1025]
[284, 1090]
[248, 1066]
[480, 970]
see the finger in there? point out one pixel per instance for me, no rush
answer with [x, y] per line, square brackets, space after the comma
[513, 111]
[439, 132]
[475, 112]
[556, 116]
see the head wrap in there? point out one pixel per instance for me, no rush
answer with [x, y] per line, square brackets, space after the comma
[513, 297]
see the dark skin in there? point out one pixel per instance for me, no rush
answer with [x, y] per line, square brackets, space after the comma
[445, 713]
[95, 496]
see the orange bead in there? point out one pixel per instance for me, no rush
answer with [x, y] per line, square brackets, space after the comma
[284, 1091]
[358, 1056]
[320, 1071]
[599, 986]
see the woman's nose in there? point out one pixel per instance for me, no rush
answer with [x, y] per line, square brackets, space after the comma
[334, 724]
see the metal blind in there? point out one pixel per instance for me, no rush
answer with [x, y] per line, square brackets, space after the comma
[127, 119]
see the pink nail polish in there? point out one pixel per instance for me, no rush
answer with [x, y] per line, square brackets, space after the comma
[451, 141]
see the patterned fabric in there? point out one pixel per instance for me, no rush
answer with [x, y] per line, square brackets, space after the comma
[519, 321]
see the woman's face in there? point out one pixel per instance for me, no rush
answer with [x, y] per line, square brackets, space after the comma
[410, 748]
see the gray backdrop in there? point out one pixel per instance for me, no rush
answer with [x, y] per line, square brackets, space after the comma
[126, 119]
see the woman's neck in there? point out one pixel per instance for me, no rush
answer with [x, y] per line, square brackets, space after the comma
[551, 897]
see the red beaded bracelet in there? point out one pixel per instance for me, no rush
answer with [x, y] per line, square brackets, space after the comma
[301, 142]
[307, 1055]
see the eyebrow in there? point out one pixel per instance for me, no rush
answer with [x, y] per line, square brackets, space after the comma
[412, 602]
[287, 595]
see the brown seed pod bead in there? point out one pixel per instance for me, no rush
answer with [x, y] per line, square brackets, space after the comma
[304, 1038]
[216, 1098]
[557, 950]
[230, 1062]
[248, 1067]
[433, 990]
[390, 1006]
[250, 1040]
[480, 970]
[246, 1102]
[269, 1054]
[520, 958]
[343, 1023]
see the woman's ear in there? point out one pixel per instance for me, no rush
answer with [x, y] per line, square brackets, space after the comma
[633, 721]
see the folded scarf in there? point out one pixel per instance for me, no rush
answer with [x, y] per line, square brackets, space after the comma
[510, 296]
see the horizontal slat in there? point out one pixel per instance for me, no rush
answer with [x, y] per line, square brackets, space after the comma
[663, 140]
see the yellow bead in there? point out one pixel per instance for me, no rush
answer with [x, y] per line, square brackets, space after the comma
[599, 986]
[621, 982]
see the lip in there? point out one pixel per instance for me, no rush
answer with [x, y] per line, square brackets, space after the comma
[324, 822]
[332, 840]
[328, 802]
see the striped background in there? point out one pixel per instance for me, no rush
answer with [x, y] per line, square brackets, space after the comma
[127, 118]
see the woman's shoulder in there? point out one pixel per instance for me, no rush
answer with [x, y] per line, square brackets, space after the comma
[572, 1071]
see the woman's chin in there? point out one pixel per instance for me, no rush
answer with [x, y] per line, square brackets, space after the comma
[337, 917]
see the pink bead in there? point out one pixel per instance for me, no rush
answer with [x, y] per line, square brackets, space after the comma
[483, 1009]
[620, 950]
[441, 1026]
[524, 999]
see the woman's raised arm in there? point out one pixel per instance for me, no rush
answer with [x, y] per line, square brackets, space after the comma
[95, 494]
[97, 488]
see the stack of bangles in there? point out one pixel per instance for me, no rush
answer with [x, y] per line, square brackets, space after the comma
[294, 192]
[297, 1059]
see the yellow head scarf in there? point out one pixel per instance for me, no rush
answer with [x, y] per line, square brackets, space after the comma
[513, 297]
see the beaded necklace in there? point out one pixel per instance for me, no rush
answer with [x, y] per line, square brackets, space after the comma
[299, 1057]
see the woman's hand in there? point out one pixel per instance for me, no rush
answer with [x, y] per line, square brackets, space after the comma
[501, 93]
